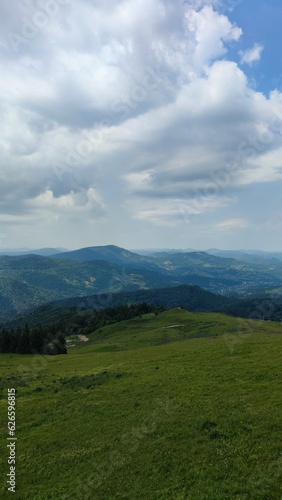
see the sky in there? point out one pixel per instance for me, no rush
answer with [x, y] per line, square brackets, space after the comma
[141, 123]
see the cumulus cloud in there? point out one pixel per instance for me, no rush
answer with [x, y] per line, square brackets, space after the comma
[211, 30]
[128, 103]
[251, 55]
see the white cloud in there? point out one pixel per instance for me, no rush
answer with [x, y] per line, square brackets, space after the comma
[137, 98]
[232, 224]
[211, 31]
[171, 212]
[251, 55]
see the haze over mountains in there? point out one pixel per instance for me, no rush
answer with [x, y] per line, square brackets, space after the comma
[250, 256]
[29, 280]
[28, 251]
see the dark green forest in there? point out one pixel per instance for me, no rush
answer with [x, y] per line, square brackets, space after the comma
[40, 340]
[51, 338]
[191, 298]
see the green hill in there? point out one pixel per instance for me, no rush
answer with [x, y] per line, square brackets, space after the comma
[170, 406]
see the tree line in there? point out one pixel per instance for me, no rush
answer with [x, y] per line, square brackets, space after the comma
[51, 338]
[39, 340]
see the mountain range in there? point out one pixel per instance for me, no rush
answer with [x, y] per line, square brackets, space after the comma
[27, 281]
[27, 251]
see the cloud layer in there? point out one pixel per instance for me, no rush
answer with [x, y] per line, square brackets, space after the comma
[128, 111]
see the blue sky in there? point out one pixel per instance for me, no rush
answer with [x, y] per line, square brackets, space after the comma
[261, 23]
[152, 123]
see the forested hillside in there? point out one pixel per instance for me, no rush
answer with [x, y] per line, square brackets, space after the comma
[29, 281]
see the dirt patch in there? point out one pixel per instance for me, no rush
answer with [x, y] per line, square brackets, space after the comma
[171, 326]
[83, 338]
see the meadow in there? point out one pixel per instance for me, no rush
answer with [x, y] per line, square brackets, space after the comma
[175, 405]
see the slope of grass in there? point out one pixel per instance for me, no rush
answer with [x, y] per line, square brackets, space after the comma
[147, 409]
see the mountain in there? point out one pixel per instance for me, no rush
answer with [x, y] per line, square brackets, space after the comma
[27, 251]
[250, 256]
[28, 281]
[110, 253]
[222, 275]
[151, 251]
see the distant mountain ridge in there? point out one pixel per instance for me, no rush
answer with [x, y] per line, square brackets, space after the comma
[216, 273]
[249, 256]
[45, 252]
[27, 281]
[109, 253]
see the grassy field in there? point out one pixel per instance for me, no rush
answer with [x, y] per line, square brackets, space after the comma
[173, 406]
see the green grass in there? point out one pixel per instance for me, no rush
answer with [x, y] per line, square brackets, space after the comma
[148, 410]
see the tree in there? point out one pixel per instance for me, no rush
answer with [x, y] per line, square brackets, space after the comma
[24, 344]
[37, 340]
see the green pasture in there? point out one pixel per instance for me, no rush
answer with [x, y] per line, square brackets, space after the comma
[171, 406]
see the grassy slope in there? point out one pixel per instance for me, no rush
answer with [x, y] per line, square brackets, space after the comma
[189, 412]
